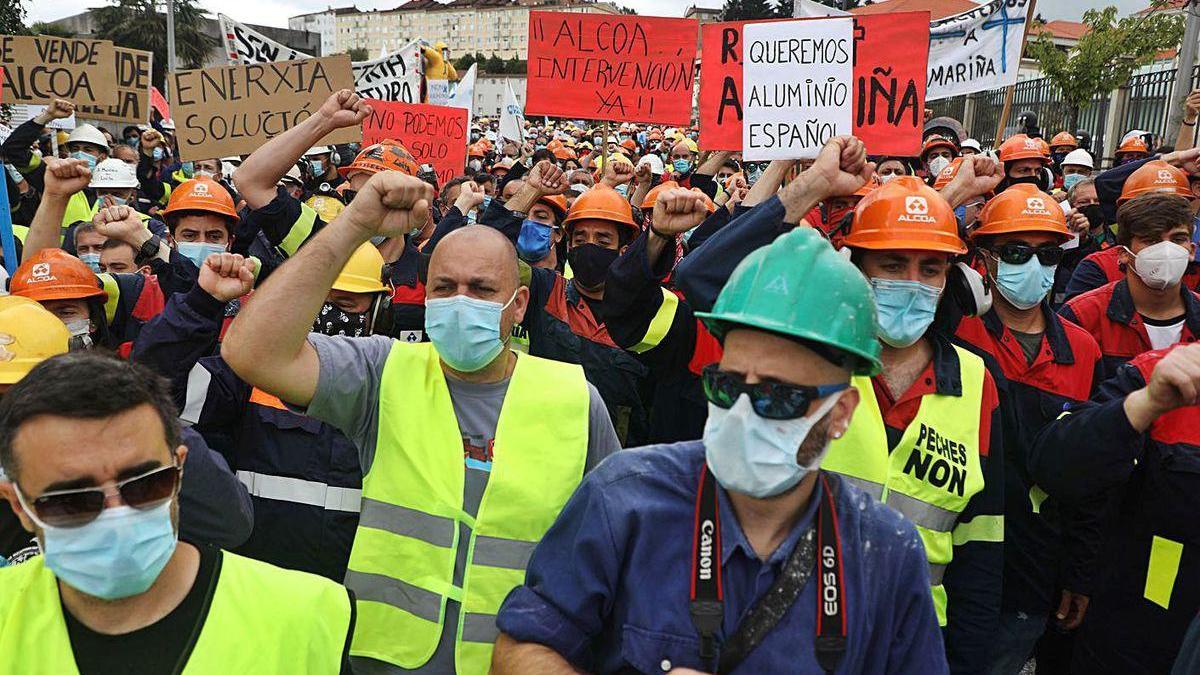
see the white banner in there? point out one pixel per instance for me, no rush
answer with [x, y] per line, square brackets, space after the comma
[512, 118]
[977, 50]
[796, 86]
[808, 9]
[244, 45]
[394, 77]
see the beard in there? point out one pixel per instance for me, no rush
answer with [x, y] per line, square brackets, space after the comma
[814, 444]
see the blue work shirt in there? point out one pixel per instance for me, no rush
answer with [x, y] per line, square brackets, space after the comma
[608, 586]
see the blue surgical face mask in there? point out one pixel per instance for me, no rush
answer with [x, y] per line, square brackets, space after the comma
[188, 169]
[157, 154]
[198, 251]
[1024, 286]
[117, 555]
[905, 309]
[622, 189]
[119, 201]
[465, 331]
[487, 201]
[92, 260]
[756, 456]
[1070, 180]
[87, 157]
[317, 167]
[533, 243]
[681, 165]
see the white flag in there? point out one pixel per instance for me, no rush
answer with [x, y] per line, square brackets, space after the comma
[245, 45]
[807, 9]
[512, 118]
[464, 93]
[976, 50]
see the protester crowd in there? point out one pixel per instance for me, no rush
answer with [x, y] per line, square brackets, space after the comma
[603, 403]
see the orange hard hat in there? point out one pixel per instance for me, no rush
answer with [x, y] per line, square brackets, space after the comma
[652, 195]
[867, 187]
[54, 274]
[905, 213]
[564, 153]
[1064, 140]
[947, 174]
[709, 204]
[201, 194]
[602, 203]
[554, 145]
[386, 155]
[1022, 208]
[476, 150]
[1020, 146]
[1156, 176]
[557, 203]
[629, 145]
[935, 141]
[1133, 144]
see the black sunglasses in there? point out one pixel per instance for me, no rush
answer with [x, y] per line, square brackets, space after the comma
[75, 508]
[1019, 254]
[772, 400]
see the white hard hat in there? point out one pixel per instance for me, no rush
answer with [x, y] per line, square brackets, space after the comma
[1079, 157]
[86, 133]
[491, 136]
[656, 163]
[235, 160]
[113, 173]
[168, 124]
[973, 144]
[293, 174]
[318, 150]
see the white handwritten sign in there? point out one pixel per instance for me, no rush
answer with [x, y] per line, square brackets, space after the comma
[395, 77]
[976, 50]
[796, 92]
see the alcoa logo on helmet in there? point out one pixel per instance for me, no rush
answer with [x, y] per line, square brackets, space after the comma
[1035, 206]
[200, 190]
[917, 209]
[41, 274]
[1031, 144]
[1164, 176]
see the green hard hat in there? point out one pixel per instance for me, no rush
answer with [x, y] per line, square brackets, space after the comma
[800, 287]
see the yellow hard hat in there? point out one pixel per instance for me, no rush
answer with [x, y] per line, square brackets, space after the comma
[28, 336]
[363, 272]
[326, 207]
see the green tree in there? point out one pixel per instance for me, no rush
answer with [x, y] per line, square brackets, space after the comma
[43, 28]
[744, 10]
[464, 63]
[139, 24]
[1106, 55]
[12, 18]
[492, 64]
[358, 54]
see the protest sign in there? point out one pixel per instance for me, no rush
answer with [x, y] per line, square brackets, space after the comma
[246, 45]
[622, 68]
[797, 82]
[133, 89]
[22, 113]
[391, 77]
[888, 89]
[978, 49]
[159, 103]
[434, 134]
[232, 110]
[41, 68]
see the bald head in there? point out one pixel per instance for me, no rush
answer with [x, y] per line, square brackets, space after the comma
[474, 255]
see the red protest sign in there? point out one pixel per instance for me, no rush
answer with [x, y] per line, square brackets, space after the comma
[622, 68]
[159, 103]
[890, 58]
[434, 134]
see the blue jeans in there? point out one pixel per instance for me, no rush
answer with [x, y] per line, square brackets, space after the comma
[1016, 637]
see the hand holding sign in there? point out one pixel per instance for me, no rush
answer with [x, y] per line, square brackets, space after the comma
[391, 204]
[547, 179]
[65, 177]
[840, 169]
[678, 210]
[344, 108]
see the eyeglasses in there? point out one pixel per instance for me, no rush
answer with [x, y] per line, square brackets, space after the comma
[75, 508]
[1019, 254]
[772, 400]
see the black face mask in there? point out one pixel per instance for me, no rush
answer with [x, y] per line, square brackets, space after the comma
[333, 321]
[590, 264]
[1039, 181]
[1095, 215]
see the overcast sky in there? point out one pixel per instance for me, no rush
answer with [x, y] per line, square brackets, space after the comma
[275, 12]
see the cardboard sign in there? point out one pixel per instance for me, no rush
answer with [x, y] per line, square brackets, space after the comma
[40, 68]
[232, 110]
[621, 68]
[796, 86]
[888, 89]
[434, 134]
[133, 89]
[395, 77]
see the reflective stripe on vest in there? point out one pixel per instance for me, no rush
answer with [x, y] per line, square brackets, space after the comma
[300, 491]
[402, 563]
[659, 325]
[262, 619]
[933, 471]
[300, 230]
